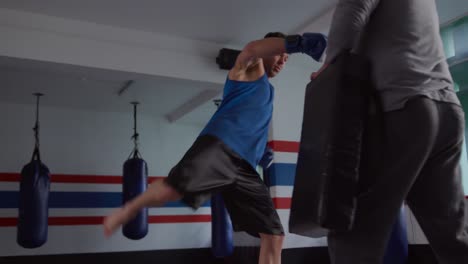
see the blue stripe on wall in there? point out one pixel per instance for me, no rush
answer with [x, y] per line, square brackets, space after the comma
[282, 174]
[9, 199]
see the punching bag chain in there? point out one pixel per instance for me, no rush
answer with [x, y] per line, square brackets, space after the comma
[217, 102]
[36, 127]
[135, 133]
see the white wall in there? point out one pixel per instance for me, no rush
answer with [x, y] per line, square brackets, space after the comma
[289, 97]
[85, 142]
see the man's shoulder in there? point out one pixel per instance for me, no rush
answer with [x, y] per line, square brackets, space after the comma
[249, 75]
[262, 78]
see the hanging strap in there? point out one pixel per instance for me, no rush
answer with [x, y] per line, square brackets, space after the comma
[217, 102]
[36, 154]
[135, 152]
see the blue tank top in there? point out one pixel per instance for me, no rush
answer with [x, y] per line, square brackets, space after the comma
[242, 120]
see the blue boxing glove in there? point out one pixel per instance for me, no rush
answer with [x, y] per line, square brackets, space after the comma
[267, 158]
[312, 44]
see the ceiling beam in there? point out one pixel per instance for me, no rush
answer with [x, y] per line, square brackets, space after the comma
[125, 87]
[86, 44]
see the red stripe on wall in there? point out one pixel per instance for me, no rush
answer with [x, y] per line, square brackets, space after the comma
[9, 177]
[284, 146]
[97, 220]
[8, 221]
[282, 202]
[81, 220]
[161, 219]
[68, 178]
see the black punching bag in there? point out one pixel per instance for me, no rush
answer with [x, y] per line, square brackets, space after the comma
[135, 179]
[33, 198]
[336, 107]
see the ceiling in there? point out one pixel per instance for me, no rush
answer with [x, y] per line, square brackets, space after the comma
[217, 21]
[223, 22]
[94, 89]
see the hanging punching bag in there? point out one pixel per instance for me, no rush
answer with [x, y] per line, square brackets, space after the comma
[397, 248]
[33, 206]
[221, 226]
[135, 179]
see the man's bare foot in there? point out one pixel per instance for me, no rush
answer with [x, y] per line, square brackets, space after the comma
[113, 221]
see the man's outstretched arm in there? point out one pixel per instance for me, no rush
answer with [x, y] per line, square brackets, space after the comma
[349, 20]
[312, 44]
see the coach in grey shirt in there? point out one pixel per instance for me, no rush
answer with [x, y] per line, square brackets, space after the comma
[412, 149]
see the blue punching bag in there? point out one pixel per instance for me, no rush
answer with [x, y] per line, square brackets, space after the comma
[135, 180]
[33, 206]
[221, 226]
[397, 248]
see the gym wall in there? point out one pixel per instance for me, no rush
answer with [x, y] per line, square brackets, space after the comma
[85, 152]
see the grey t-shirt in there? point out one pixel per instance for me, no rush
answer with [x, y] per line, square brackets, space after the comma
[402, 40]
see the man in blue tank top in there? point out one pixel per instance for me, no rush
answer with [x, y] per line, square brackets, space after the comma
[224, 157]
